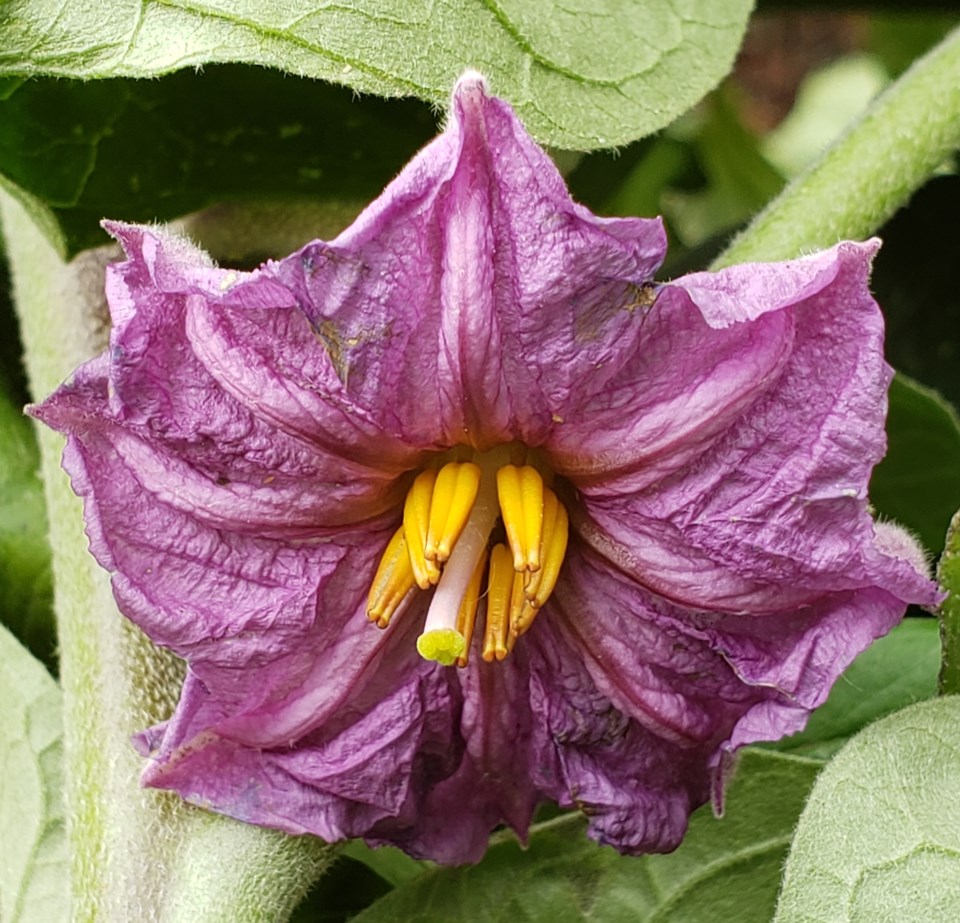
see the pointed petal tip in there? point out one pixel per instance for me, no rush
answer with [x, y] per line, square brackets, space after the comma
[127, 235]
[470, 99]
[470, 83]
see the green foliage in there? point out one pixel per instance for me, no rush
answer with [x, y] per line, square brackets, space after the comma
[33, 873]
[726, 871]
[148, 150]
[25, 588]
[879, 839]
[584, 74]
[918, 482]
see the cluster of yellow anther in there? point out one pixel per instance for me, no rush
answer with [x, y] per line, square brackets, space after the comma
[521, 574]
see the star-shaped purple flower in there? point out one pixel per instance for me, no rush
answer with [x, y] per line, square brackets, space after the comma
[611, 530]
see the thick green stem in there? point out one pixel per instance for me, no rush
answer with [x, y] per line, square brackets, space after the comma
[948, 573]
[137, 854]
[906, 135]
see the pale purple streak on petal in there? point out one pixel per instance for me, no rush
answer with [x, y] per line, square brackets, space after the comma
[775, 514]
[674, 386]
[641, 656]
[474, 272]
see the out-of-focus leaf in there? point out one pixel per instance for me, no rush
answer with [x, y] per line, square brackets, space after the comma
[25, 582]
[917, 282]
[583, 74]
[148, 150]
[725, 871]
[899, 37]
[34, 873]
[918, 482]
[828, 101]
[391, 864]
[879, 839]
[894, 672]
[739, 180]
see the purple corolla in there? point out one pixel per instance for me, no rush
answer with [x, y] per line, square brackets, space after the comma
[610, 529]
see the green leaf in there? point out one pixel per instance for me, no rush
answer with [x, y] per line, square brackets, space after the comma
[726, 871]
[919, 290]
[34, 871]
[739, 180]
[918, 482]
[144, 151]
[894, 672]
[391, 864]
[879, 840]
[583, 74]
[26, 596]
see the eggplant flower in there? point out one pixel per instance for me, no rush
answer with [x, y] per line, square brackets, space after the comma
[461, 511]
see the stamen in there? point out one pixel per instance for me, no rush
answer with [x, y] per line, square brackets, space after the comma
[416, 521]
[392, 582]
[517, 604]
[521, 492]
[499, 593]
[454, 494]
[467, 616]
[521, 624]
[448, 518]
[556, 531]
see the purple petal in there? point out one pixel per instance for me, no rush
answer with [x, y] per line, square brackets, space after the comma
[775, 513]
[476, 272]
[713, 345]
[636, 787]
[220, 407]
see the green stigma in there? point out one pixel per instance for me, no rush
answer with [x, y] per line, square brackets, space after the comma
[444, 645]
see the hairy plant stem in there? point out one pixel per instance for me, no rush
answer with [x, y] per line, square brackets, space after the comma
[948, 573]
[906, 135]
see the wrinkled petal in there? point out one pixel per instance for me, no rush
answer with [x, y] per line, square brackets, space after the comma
[774, 514]
[224, 402]
[636, 788]
[475, 272]
[706, 679]
[642, 656]
[701, 360]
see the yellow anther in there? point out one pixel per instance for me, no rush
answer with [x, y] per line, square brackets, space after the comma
[416, 522]
[520, 492]
[444, 645]
[454, 494]
[556, 530]
[393, 580]
[499, 593]
[467, 617]
[521, 624]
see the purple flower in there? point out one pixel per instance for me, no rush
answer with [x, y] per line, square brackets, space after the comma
[272, 461]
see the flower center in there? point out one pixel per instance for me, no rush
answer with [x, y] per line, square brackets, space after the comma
[449, 517]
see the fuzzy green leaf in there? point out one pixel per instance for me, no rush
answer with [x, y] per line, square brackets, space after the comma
[726, 871]
[948, 573]
[879, 840]
[583, 74]
[34, 871]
